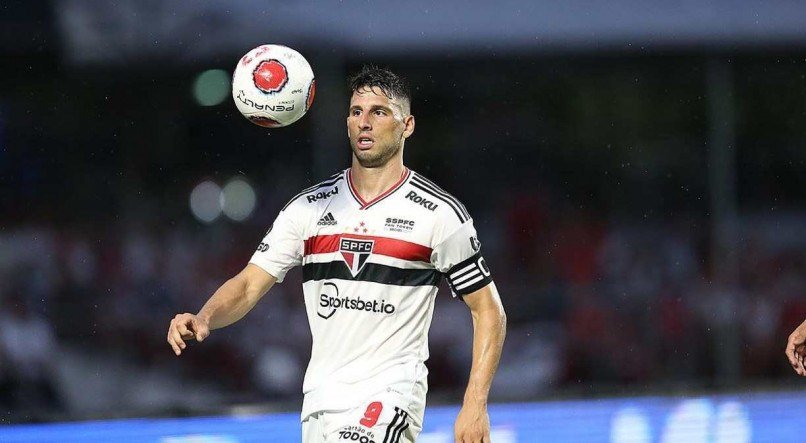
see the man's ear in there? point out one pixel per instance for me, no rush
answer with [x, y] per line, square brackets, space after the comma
[409, 129]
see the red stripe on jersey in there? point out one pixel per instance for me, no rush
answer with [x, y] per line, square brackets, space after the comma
[390, 247]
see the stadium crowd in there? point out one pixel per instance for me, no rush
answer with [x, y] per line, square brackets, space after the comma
[592, 302]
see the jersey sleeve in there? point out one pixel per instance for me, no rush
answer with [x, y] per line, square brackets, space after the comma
[459, 258]
[282, 247]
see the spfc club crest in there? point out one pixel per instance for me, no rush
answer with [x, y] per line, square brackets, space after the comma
[355, 252]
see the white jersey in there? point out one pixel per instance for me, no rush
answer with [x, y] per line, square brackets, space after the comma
[370, 275]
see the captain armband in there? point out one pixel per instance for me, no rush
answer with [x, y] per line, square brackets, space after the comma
[469, 276]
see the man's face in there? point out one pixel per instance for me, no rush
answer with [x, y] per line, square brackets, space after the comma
[377, 126]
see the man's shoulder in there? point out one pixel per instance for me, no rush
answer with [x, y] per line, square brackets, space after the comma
[322, 190]
[427, 194]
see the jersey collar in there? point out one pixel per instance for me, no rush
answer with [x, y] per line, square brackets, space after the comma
[366, 204]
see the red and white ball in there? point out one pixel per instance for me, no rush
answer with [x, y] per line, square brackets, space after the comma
[273, 86]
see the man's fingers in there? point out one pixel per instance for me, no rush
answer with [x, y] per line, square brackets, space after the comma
[799, 356]
[178, 339]
[174, 337]
[790, 352]
[172, 342]
[201, 329]
[796, 353]
[170, 339]
[186, 327]
[183, 330]
[176, 349]
[471, 438]
[177, 333]
[458, 437]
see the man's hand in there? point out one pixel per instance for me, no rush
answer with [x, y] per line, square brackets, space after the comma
[796, 349]
[472, 424]
[186, 327]
[228, 304]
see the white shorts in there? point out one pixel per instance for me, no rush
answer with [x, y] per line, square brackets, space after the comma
[384, 418]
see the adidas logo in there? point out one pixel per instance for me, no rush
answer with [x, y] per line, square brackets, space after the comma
[327, 220]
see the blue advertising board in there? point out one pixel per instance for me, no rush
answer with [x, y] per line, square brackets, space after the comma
[778, 417]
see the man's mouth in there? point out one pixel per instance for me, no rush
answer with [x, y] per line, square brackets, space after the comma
[365, 142]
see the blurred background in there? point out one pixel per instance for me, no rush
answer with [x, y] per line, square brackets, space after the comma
[636, 171]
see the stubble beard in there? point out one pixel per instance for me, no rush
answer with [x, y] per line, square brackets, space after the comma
[376, 160]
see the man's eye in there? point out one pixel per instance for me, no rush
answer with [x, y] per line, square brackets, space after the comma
[380, 112]
[355, 112]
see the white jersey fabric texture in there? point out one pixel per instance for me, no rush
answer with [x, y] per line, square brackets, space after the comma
[371, 270]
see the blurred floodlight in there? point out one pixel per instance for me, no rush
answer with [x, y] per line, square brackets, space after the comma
[205, 201]
[238, 199]
[630, 425]
[733, 424]
[211, 87]
[689, 422]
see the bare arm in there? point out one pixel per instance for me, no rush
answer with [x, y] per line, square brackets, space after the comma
[489, 329]
[228, 304]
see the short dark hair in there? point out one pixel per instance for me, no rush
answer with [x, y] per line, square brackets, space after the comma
[391, 84]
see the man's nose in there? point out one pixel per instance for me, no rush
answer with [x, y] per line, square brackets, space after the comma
[364, 123]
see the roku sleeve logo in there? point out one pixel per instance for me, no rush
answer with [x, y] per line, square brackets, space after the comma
[322, 195]
[428, 204]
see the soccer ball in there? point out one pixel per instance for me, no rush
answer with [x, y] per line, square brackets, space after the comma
[273, 86]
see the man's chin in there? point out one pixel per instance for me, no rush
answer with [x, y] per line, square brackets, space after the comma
[371, 161]
[368, 159]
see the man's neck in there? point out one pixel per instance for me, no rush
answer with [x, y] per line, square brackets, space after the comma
[372, 182]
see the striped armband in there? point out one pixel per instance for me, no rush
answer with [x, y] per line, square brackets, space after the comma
[469, 275]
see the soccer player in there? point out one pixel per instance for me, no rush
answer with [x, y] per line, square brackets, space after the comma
[796, 349]
[373, 241]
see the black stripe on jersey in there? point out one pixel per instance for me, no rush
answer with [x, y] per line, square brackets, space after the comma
[444, 193]
[400, 433]
[469, 276]
[391, 425]
[330, 180]
[396, 427]
[372, 272]
[439, 191]
[333, 179]
[414, 183]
